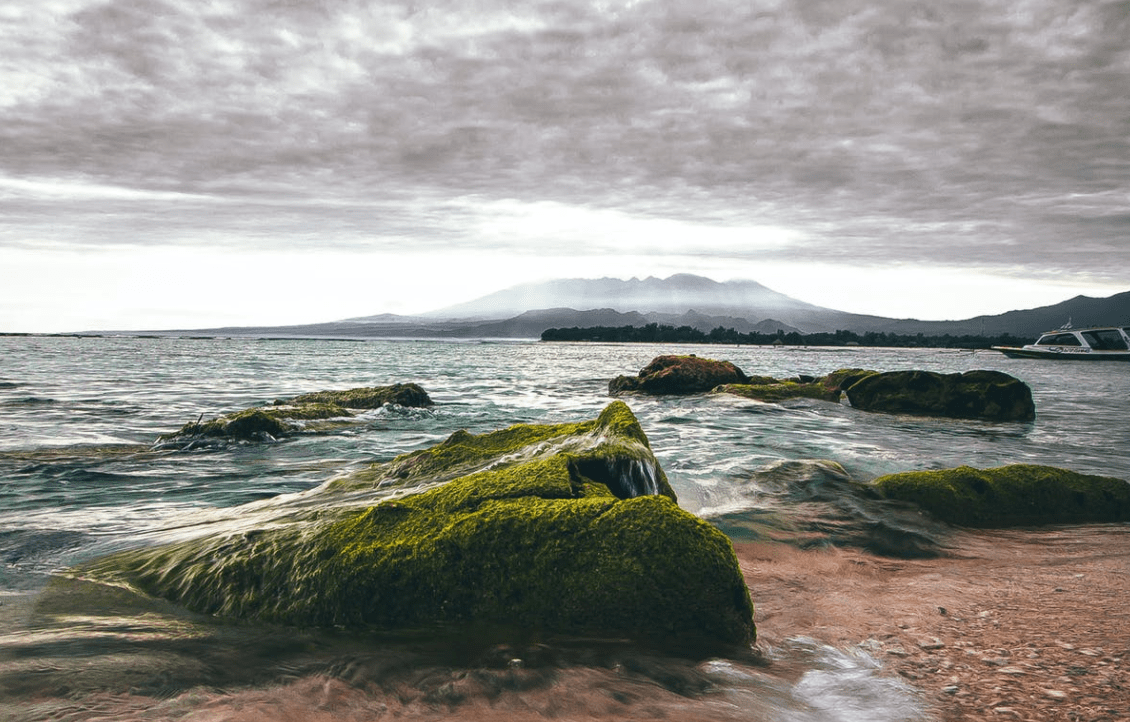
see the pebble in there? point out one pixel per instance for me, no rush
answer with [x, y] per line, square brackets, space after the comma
[1055, 694]
[929, 644]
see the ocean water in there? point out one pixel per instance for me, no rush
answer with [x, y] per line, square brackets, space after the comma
[80, 476]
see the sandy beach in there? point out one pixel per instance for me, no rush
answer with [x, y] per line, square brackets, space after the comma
[1018, 625]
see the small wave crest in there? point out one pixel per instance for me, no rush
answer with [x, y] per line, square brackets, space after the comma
[815, 502]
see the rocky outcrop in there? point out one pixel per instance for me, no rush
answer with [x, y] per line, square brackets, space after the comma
[667, 375]
[989, 395]
[550, 529]
[771, 390]
[371, 397]
[1017, 495]
[284, 417]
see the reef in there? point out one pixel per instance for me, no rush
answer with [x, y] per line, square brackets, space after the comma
[287, 416]
[565, 529]
[1016, 495]
[988, 395]
[667, 375]
[772, 390]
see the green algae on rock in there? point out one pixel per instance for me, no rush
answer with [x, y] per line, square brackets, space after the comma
[567, 529]
[771, 390]
[667, 375]
[980, 394]
[264, 423]
[409, 395]
[1016, 495]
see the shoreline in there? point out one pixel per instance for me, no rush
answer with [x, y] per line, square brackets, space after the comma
[1026, 624]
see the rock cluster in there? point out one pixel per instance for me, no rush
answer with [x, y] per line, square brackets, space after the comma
[549, 529]
[987, 395]
[266, 423]
[824, 388]
[668, 375]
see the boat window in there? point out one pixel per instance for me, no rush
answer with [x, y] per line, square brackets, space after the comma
[1058, 339]
[1105, 340]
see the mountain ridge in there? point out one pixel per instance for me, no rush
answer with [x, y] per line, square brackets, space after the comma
[680, 300]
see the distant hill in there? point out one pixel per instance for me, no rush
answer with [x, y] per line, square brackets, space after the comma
[677, 295]
[682, 300]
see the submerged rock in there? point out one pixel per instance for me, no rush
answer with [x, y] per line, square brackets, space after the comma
[373, 397]
[1016, 495]
[824, 388]
[554, 529]
[266, 423]
[679, 375]
[989, 395]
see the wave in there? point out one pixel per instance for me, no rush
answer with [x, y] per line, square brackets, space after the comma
[810, 503]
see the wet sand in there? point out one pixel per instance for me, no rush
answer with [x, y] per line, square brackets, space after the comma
[1019, 625]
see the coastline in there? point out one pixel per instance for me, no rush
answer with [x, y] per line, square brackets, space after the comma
[1018, 625]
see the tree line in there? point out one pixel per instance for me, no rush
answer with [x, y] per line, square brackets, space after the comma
[660, 333]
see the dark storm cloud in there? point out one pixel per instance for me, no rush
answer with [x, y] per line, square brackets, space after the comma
[973, 131]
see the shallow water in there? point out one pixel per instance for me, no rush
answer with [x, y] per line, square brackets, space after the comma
[79, 477]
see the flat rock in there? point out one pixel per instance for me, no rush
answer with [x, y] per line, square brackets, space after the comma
[1016, 495]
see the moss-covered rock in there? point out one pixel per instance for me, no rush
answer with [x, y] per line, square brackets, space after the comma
[679, 375]
[409, 395]
[1021, 494]
[825, 388]
[554, 529]
[264, 423]
[989, 395]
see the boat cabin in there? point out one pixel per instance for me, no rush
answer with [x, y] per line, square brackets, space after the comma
[1098, 339]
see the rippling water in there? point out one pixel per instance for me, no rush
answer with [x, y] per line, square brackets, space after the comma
[78, 417]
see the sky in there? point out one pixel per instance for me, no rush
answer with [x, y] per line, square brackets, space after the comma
[203, 163]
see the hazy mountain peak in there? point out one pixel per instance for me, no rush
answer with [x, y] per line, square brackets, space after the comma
[676, 294]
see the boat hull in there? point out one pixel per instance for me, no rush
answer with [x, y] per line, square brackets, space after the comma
[1063, 354]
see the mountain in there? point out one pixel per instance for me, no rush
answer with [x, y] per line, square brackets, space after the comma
[682, 300]
[677, 295]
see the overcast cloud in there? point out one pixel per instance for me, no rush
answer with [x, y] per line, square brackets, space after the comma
[992, 135]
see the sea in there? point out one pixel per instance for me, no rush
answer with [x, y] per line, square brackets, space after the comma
[81, 475]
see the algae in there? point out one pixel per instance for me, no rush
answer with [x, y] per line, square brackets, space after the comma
[668, 375]
[978, 394]
[550, 535]
[771, 390]
[1016, 495]
[410, 395]
[463, 452]
[265, 423]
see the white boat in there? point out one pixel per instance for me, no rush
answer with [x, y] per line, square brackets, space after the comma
[1092, 343]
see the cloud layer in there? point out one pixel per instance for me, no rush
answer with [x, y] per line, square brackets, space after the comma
[988, 133]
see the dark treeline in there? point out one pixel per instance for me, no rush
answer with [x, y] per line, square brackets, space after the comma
[658, 333]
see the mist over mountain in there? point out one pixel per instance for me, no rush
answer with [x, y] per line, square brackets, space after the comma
[676, 295]
[525, 311]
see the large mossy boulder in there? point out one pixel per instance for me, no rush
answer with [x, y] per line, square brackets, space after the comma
[286, 416]
[772, 390]
[988, 395]
[667, 375]
[567, 529]
[1017, 495]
